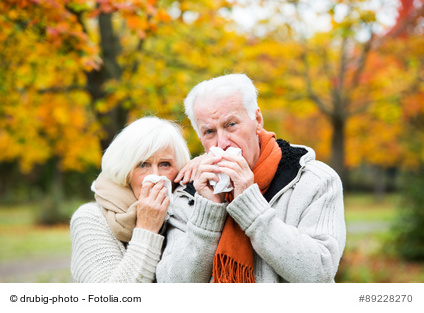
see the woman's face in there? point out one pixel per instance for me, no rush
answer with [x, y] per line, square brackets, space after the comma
[163, 163]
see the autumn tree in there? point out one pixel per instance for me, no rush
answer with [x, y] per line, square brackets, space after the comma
[97, 50]
[75, 72]
[407, 39]
[341, 78]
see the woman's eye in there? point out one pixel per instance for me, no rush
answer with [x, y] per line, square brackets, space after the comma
[165, 164]
[143, 165]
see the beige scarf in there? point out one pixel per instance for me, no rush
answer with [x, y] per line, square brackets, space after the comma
[119, 206]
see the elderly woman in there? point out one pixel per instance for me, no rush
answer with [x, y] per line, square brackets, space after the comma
[117, 238]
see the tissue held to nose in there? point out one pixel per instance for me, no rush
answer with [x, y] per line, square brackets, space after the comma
[224, 183]
[155, 178]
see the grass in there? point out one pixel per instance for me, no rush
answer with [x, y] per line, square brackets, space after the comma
[367, 256]
[16, 215]
[365, 207]
[20, 238]
[24, 243]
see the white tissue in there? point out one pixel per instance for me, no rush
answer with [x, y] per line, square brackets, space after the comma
[224, 183]
[155, 178]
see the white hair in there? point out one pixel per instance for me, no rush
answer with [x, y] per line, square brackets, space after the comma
[222, 87]
[137, 142]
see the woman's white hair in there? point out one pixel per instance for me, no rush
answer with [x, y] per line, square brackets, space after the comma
[139, 141]
[222, 87]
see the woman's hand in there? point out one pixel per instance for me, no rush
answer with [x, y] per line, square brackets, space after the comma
[152, 206]
[189, 172]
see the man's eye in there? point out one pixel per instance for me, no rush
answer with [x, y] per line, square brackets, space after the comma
[231, 124]
[208, 132]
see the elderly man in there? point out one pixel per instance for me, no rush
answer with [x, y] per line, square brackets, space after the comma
[282, 218]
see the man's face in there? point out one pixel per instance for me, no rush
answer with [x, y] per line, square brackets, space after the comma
[225, 123]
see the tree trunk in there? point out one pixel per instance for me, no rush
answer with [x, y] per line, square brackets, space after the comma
[338, 147]
[52, 207]
[115, 119]
[379, 183]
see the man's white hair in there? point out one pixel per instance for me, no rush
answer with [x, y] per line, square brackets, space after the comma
[222, 87]
[138, 142]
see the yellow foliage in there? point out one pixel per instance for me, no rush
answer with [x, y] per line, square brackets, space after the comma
[43, 117]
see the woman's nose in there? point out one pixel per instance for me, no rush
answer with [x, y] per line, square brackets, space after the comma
[156, 170]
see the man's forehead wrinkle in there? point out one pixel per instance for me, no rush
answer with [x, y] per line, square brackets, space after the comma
[218, 118]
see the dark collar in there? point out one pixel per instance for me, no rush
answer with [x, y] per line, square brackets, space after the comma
[189, 188]
[287, 168]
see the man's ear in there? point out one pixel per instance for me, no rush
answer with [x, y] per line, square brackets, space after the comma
[259, 120]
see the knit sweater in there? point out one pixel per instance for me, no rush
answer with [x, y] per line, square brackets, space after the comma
[97, 256]
[297, 231]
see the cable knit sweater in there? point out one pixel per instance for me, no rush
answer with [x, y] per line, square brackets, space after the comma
[297, 228]
[97, 256]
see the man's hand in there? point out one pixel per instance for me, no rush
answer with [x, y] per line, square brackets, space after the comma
[239, 171]
[208, 170]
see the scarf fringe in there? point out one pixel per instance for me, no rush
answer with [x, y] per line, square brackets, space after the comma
[230, 271]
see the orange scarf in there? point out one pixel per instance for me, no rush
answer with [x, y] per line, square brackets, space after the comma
[233, 261]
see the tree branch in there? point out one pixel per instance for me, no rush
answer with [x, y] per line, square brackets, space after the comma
[62, 89]
[310, 93]
[342, 70]
[139, 48]
[366, 48]
[361, 108]
[78, 15]
[174, 62]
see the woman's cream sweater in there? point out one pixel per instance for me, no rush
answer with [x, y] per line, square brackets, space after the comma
[97, 256]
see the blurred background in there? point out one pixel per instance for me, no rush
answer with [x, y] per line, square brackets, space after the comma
[343, 77]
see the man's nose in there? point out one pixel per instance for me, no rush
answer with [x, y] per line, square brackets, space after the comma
[223, 140]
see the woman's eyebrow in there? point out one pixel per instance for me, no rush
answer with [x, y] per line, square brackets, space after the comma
[167, 158]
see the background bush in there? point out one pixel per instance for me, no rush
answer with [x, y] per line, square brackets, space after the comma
[409, 227]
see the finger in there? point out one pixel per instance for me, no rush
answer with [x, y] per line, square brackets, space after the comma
[210, 159]
[189, 171]
[162, 195]
[188, 174]
[205, 178]
[145, 189]
[209, 168]
[194, 174]
[241, 180]
[231, 165]
[156, 189]
[181, 174]
[234, 175]
[165, 203]
[236, 159]
[196, 163]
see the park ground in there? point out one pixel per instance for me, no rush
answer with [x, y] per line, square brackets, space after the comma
[38, 254]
